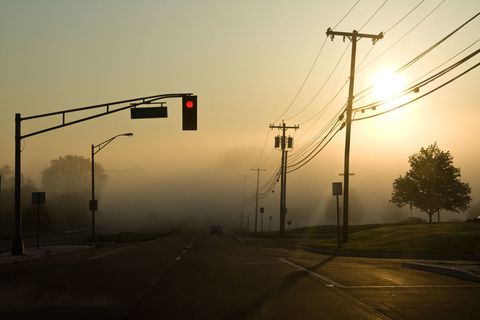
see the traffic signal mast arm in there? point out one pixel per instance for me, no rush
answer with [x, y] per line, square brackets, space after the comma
[132, 103]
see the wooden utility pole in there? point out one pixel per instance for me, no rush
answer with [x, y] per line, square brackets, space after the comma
[283, 168]
[256, 195]
[353, 37]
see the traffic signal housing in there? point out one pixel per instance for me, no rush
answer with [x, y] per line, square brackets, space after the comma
[189, 113]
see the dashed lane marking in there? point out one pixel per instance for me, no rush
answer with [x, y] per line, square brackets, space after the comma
[110, 252]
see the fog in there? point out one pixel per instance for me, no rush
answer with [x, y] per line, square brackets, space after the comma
[245, 69]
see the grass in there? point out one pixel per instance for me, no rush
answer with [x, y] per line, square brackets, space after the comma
[437, 238]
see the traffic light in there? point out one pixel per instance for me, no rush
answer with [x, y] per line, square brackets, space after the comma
[189, 112]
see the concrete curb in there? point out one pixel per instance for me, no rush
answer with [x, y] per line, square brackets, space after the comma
[445, 270]
[367, 254]
[48, 252]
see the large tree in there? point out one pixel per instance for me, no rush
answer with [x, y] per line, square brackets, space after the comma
[432, 184]
[68, 181]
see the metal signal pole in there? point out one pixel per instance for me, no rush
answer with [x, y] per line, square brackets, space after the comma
[283, 169]
[354, 37]
[256, 196]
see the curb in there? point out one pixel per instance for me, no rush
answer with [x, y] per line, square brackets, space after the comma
[47, 253]
[368, 254]
[448, 271]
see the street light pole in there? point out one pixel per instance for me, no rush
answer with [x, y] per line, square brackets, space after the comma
[100, 146]
[92, 203]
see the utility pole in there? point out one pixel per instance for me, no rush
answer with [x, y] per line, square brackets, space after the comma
[256, 195]
[242, 213]
[353, 37]
[282, 143]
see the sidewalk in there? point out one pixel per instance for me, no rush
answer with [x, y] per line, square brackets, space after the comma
[45, 251]
[465, 270]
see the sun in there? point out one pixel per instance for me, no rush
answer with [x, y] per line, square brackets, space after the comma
[387, 85]
[397, 125]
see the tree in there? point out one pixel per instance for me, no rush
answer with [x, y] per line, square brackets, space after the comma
[7, 196]
[432, 184]
[71, 174]
[67, 182]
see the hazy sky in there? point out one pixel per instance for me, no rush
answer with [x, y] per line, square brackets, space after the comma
[246, 61]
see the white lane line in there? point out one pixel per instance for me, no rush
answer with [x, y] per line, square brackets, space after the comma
[327, 281]
[242, 241]
[184, 251]
[178, 258]
[331, 283]
[110, 252]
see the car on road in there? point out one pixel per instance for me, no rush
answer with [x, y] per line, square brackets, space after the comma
[216, 229]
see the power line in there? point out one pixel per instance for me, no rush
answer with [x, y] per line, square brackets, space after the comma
[404, 17]
[403, 37]
[372, 16]
[346, 14]
[416, 87]
[423, 95]
[367, 90]
[312, 66]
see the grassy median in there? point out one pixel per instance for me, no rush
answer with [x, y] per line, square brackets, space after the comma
[436, 238]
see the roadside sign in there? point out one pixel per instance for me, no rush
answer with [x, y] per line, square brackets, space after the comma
[93, 204]
[38, 197]
[147, 113]
[336, 188]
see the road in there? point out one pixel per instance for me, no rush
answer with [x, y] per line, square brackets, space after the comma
[198, 276]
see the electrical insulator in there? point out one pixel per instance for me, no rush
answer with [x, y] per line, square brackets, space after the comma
[277, 142]
[290, 142]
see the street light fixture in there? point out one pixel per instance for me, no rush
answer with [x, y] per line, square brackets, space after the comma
[95, 149]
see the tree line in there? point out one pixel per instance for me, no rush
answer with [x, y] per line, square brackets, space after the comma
[66, 182]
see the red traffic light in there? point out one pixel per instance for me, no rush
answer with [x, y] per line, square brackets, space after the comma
[189, 104]
[189, 112]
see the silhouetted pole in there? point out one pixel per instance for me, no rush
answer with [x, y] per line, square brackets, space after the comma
[38, 224]
[18, 247]
[256, 196]
[242, 214]
[100, 146]
[283, 170]
[0, 191]
[353, 36]
[92, 203]
[285, 187]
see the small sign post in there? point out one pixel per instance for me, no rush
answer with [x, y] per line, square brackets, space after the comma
[262, 210]
[337, 191]
[38, 198]
[93, 205]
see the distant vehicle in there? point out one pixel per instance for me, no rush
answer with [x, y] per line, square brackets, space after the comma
[216, 229]
[474, 220]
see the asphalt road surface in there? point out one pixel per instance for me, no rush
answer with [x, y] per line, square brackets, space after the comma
[198, 276]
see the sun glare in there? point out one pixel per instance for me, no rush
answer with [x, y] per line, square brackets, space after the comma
[387, 85]
[398, 123]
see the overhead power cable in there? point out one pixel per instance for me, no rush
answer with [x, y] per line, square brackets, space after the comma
[367, 90]
[423, 95]
[312, 66]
